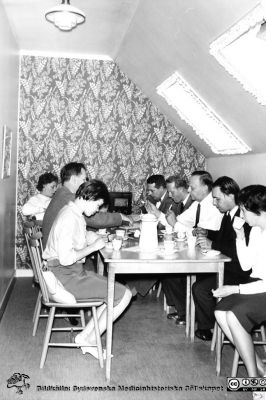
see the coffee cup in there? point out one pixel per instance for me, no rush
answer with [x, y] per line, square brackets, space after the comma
[181, 235]
[169, 246]
[117, 243]
[120, 233]
[191, 240]
[169, 229]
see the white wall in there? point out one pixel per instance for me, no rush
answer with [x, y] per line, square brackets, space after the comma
[9, 73]
[245, 169]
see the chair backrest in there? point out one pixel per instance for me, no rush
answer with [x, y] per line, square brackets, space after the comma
[28, 227]
[35, 242]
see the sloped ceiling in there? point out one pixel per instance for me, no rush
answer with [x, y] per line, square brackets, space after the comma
[150, 39]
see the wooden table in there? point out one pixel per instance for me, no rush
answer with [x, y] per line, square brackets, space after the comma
[130, 260]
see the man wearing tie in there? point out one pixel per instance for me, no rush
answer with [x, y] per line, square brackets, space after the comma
[201, 215]
[174, 286]
[178, 190]
[158, 200]
[225, 195]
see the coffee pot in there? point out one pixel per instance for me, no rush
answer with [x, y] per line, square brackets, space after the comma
[148, 240]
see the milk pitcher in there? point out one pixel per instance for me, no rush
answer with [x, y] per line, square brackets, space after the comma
[148, 240]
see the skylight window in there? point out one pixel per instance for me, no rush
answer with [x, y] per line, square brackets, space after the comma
[205, 122]
[242, 53]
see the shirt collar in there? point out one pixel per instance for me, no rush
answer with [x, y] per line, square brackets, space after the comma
[233, 212]
[207, 199]
[163, 196]
[75, 209]
[185, 201]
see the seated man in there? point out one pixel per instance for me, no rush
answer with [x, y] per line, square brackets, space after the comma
[174, 287]
[202, 214]
[72, 176]
[67, 246]
[158, 200]
[225, 197]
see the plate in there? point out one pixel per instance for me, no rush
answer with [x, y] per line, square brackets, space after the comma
[180, 239]
[211, 253]
[168, 253]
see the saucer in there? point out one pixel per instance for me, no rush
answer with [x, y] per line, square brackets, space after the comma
[168, 253]
[211, 253]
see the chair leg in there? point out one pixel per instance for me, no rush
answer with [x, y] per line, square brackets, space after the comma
[37, 313]
[47, 335]
[36, 305]
[235, 364]
[214, 337]
[165, 305]
[159, 290]
[219, 345]
[98, 337]
[82, 318]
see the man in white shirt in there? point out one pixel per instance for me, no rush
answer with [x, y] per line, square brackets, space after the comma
[202, 213]
[225, 197]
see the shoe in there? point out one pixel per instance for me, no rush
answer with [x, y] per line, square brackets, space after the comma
[204, 334]
[173, 315]
[73, 321]
[180, 320]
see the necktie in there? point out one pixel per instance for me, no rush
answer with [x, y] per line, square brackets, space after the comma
[181, 207]
[227, 219]
[197, 216]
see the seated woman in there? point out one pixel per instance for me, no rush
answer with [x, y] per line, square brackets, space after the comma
[36, 205]
[244, 306]
[67, 246]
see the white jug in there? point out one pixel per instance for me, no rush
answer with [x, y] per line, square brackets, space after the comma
[148, 240]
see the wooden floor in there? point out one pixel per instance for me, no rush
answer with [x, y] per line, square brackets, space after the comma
[152, 358]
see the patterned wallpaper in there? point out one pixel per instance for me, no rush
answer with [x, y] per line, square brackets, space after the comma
[90, 111]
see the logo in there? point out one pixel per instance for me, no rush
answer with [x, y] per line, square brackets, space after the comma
[18, 381]
[233, 384]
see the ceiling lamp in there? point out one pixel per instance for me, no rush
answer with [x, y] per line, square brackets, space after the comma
[64, 16]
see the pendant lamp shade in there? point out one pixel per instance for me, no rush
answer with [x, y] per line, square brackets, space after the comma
[65, 16]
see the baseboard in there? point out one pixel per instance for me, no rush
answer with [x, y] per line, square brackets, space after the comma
[24, 273]
[7, 295]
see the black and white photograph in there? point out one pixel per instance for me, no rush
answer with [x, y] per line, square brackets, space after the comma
[133, 199]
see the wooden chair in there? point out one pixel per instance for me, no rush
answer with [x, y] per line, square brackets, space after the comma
[34, 242]
[236, 359]
[30, 228]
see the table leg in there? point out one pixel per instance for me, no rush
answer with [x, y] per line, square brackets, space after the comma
[188, 305]
[109, 330]
[192, 310]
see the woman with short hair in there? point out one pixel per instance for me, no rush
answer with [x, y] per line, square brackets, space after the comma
[244, 306]
[37, 205]
[67, 246]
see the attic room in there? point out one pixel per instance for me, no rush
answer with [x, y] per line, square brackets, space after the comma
[138, 88]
